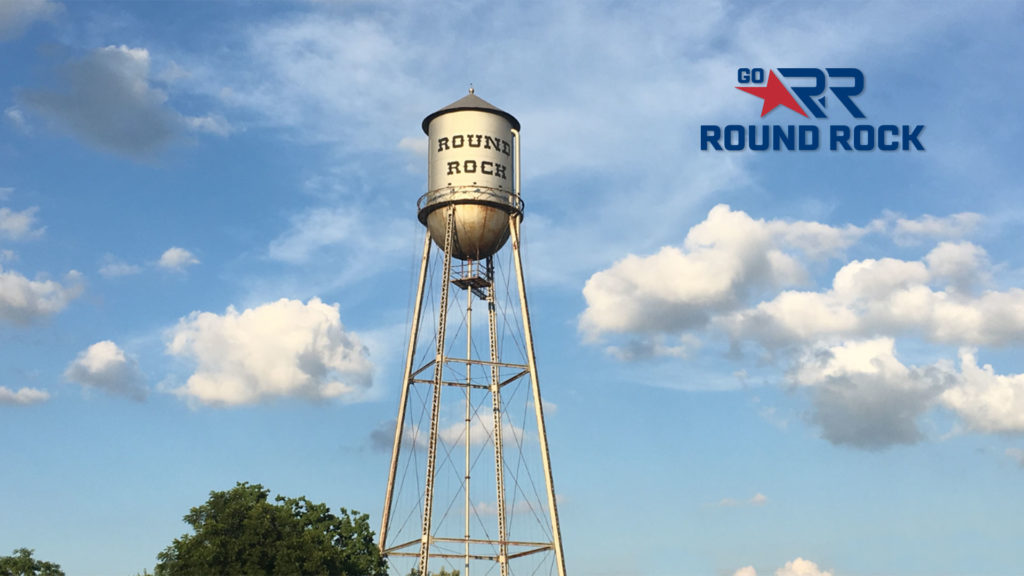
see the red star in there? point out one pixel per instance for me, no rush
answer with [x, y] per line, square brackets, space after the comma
[774, 93]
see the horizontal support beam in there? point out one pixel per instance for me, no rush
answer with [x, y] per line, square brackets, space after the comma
[523, 370]
[539, 546]
[494, 542]
[450, 383]
[484, 363]
[473, 556]
[476, 386]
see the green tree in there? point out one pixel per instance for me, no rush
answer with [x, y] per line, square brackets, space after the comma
[23, 564]
[239, 533]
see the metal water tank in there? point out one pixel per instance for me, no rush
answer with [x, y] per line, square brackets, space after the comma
[471, 166]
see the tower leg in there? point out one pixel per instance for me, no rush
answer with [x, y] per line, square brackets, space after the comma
[406, 382]
[514, 221]
[499, 462]
[435, 411]
[469, 419]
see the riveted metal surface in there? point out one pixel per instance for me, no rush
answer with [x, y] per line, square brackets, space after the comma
[480, 230]
[470, 165]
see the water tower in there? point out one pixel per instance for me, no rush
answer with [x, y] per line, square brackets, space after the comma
[470, 485]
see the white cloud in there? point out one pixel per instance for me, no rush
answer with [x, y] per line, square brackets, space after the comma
[174, 258]
[113, 268]
[840, 339]
[106, 98]
[209, 124]
[962, 264]
[16, 117]
[347, 243]
[316, 229]
[933, 299]
[798, 567]
[873, 279]
[789, 318]
[481, 431]
[730, 258]
[863, 396]
[106, 367]
[657, 345]
[16, 16]
[986, 401]
[755, 500]
[283, 348]
[907, 231]
[334, 80]
[23, 397]
[874, 357]
[724, 259]
[19, 225]
[23, 301]
[801, 567]
[417, 145]
[177, 259]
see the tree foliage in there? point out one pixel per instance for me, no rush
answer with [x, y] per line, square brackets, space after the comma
[23, 564]
[238, 532]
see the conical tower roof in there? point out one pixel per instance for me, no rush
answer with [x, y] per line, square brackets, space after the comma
[470, 102]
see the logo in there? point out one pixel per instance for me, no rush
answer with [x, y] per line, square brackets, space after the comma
[812, 93]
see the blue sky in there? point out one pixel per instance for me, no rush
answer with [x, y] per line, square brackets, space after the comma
[789, 363]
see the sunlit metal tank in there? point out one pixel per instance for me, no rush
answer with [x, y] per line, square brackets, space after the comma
[471, 165]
